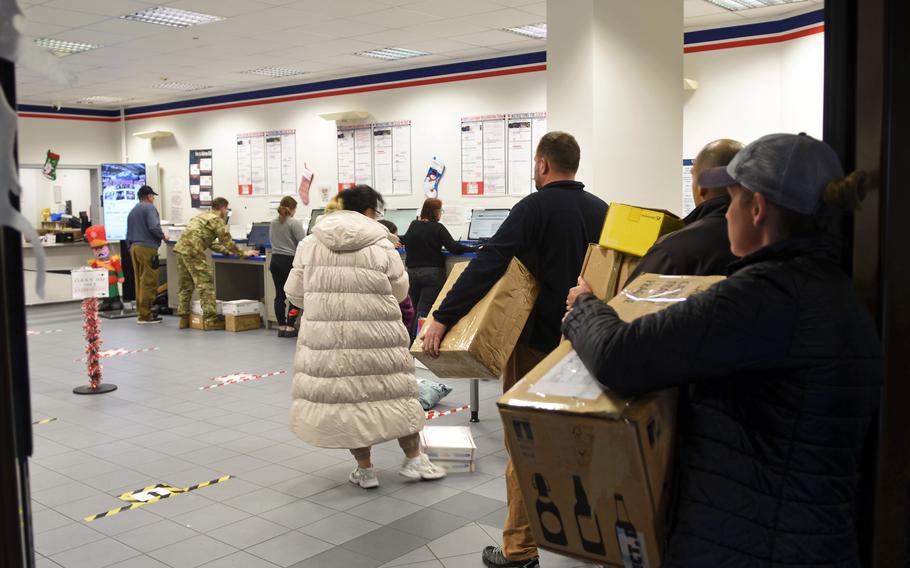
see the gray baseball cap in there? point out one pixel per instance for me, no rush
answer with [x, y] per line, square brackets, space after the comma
[791, 170]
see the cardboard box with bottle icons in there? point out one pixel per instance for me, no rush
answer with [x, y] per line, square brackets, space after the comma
[594, 467]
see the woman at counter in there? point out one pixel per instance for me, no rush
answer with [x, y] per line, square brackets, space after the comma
[284, 234]
[426, 265]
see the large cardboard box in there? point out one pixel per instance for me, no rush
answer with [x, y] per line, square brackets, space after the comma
[242, 323]
[605, 270]
[633, 230]
[594, 467]
[239, 307]
[448, 443]
[481, 342]
[196, 307]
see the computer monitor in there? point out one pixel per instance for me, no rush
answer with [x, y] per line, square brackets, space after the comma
[401, 217]
[258, 237]
[485, 223]
[314, 214]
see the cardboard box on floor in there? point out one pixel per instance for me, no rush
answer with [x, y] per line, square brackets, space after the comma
[593, 467]
[481, 342]
[245, 322]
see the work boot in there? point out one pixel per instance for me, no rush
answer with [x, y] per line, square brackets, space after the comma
[184, 322]
[214, 324]
[494, 558]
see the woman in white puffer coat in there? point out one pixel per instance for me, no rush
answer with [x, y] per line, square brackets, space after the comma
[354, 384]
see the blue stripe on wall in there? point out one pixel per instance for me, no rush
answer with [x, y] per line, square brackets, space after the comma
[67, 110]
[749, 30]
[392, 76]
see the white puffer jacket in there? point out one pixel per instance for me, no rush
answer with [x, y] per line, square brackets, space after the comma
[354, 384]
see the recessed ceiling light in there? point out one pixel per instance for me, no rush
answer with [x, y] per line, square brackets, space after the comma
[535, 31]
[61, 47]
[174, 17]
[736, 5]
[178, 86]
[274, 71]
[392, 53]
[99, 99]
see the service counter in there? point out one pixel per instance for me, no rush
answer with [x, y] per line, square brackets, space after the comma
[61, 259]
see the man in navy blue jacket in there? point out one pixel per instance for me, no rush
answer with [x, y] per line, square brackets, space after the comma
[549, 231]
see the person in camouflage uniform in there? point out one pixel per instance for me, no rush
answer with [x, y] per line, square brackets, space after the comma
[205, 231]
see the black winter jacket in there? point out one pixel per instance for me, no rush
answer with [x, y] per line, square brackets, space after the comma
[701, 248]
[549, 232]
[787, 369]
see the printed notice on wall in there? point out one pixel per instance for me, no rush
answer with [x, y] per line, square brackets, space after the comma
[688, 199]
[494, 156]
[483, 155]
[524, 132]
[355, 155]
[267, 163]
[392, 158]
[471, 157]
[201, 179]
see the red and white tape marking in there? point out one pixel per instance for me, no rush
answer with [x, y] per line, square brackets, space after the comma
[108, 353]
[30, 332]
[235, 378]
[431, 414]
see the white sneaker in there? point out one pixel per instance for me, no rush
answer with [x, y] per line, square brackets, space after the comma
[421, 468]
[365, 478]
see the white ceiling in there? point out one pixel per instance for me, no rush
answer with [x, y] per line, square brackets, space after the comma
[316, 36]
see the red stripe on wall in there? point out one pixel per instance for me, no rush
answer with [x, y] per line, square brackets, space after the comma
[757, 41]
[353, 90]
[68, 117]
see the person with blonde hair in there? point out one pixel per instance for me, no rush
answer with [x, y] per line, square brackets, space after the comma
[782, 361]
[284, 234]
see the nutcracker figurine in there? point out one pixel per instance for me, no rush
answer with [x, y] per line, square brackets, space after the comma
[97, 239]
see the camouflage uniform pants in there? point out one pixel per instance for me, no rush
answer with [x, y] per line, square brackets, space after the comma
[196, 273]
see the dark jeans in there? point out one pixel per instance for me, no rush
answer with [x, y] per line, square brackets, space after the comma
[280, 268]
[425, 284]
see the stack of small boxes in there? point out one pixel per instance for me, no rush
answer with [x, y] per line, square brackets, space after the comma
[450, 447]
[241, 315]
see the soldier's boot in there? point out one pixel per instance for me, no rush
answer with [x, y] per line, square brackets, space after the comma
[184, 322]
[214, 324]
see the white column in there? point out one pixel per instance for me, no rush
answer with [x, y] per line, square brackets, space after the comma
[614, 80]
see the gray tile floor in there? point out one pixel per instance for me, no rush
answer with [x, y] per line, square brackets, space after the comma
[287, 505]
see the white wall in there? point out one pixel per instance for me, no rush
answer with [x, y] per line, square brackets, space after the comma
[746, 92]
[79, 142]
[435, 112]
[38, 192]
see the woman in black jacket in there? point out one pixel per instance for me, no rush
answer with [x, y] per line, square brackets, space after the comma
[784, 365]
[426, 265]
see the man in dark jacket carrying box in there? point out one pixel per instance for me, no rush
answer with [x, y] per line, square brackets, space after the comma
[549, 232]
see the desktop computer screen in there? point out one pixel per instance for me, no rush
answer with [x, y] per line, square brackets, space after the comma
[401, 217]
[314, 214]
[258, 238]
[485, 223]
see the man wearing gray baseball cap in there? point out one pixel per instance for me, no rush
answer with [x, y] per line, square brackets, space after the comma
[783, 362]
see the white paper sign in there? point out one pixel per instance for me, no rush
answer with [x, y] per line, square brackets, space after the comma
[90, 283]
[688, 200]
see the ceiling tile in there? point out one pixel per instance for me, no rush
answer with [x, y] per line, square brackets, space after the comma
[708, 21]
[36, 29]
[57, 17]
[341, 28]
[223, 8]
[775, 12]
[473, 53]
[539, 9]
[330, 48]
[438, 46]
[396, 18]
[499, 19]
[450, 9]
[100, 7]
[695, 8]
[487, 38]
[523, 45]
[92, 36]
[338, 8]
[129, 28]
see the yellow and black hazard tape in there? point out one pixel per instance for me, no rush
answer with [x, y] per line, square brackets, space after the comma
[44, 421]
[154, 493]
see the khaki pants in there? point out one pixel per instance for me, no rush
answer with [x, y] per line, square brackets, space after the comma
[146, 279]
[517, 541]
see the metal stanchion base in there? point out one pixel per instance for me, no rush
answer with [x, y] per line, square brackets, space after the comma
[102, 388]
[474, 417]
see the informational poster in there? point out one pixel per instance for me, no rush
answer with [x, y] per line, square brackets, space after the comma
[201, 179]
[483, 155]
[688, 199]
[392, 157]
[345, 146]
[363, 156]
[267, 163]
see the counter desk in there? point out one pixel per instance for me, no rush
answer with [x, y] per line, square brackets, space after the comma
[61, 259]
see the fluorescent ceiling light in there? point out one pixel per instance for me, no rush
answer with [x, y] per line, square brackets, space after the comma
[736, 5]
[274, 71]
[392, 53]
[100, 99]
[61, 47]
[536, 31]
[179, 86]
[174, 17]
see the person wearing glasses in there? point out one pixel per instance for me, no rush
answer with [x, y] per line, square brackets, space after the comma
[207, 230]
[354, 385]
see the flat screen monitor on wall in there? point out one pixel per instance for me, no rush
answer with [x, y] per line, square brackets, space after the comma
[120, 184]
